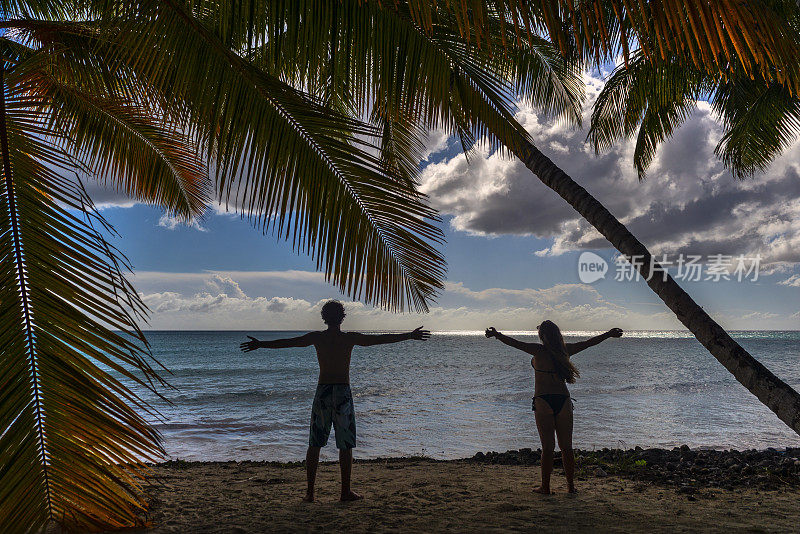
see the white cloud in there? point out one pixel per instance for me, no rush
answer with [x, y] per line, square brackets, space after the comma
[574, 293]
[435, 141]
[171, 223]
[793, 281]
[218, 301]
[225, 285]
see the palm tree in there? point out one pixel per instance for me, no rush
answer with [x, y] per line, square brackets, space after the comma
[761, 115]
[310, 133]
[466, 87]
[73, 437]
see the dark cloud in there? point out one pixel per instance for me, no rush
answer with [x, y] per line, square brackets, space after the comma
[688, 204]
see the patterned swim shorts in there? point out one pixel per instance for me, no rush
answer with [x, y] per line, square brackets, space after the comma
[333, 404]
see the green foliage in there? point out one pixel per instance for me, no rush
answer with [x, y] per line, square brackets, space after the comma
[73, 433]
[760, 120]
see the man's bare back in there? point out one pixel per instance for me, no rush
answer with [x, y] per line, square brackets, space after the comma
[334, 350]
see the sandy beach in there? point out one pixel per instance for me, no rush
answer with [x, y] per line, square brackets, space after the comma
[486, 494]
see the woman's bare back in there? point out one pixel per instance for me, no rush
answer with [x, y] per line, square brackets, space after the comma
[546, 379]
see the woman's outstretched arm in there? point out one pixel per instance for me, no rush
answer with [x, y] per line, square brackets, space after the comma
[510, 341]
[574, 348]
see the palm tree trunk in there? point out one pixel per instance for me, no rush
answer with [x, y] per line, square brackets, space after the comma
[760, 381]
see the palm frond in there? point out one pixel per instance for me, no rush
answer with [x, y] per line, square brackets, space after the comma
[72, 437]
[715, 36]
[551, 83]
[454, 85]
[100, 116]
[401, 146]
[292, 164]
[35, 8]
[651, 98]
[760, 121]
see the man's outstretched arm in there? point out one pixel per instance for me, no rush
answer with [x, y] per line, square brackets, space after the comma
[574, 348]
[366, 340]
[305, 340]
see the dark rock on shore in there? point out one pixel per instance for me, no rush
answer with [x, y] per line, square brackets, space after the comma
[687, 469]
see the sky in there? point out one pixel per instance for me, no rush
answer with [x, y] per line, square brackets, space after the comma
[513, 246]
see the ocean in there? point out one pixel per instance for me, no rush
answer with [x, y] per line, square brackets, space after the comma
[459, 393]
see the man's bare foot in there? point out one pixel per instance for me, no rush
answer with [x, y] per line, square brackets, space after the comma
[543, 491]
[351, 496]
[309, 497]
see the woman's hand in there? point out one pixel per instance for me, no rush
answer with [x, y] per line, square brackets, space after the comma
[251, 345]
[491, 332]
[615, 332]
[420, 335]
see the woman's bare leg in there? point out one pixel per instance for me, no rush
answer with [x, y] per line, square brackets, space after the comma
[563, 424]
[545, 423]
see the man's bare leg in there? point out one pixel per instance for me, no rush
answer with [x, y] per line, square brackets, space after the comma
[346, 466]
[312, 461]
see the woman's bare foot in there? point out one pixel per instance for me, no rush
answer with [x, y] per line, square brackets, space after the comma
[309, 497]
[351, 496]
[543, 491]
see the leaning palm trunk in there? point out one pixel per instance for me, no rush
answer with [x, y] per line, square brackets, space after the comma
[777, 395]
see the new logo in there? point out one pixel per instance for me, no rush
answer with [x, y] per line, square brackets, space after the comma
[591, 267]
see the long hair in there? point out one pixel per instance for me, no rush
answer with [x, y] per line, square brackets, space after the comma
[553, 341]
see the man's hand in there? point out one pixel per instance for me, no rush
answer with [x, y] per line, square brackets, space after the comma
[491, 332]
[251, 345]
[420, 334]
[615, 332]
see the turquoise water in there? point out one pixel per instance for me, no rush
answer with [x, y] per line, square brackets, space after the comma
[460, 393]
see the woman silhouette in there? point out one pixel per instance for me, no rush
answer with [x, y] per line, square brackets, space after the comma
[551, 403]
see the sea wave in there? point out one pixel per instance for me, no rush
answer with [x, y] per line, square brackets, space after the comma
[245, 395]
[224, 426]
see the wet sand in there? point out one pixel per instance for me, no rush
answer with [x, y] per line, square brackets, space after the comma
[420, 495]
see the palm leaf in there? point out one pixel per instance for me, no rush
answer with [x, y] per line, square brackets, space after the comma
[715, 36]
[73, 438]
[760, 121]
[650, 100]
[290, 163]
[454, 84]
[100, 116]
[646, 99]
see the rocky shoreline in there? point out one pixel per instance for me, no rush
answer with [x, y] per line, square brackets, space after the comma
[687, 469]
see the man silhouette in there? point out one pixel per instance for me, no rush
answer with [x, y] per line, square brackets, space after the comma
[333, 401]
